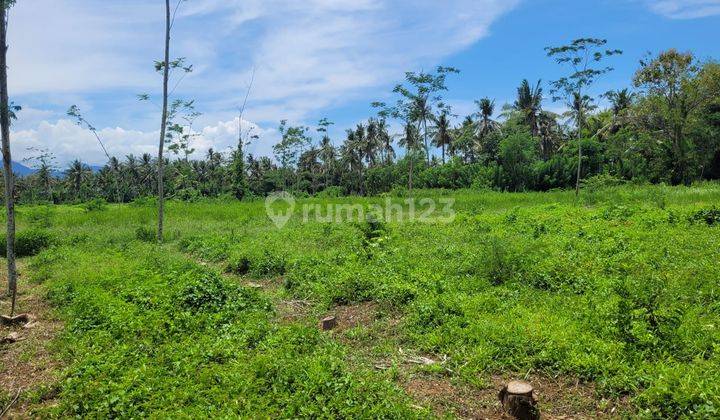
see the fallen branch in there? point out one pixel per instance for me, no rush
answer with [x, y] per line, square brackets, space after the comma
[14, 400]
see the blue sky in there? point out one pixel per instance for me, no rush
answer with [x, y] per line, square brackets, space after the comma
[312, 59]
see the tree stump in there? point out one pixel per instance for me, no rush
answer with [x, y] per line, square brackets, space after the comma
[518, 400]
[328, 323]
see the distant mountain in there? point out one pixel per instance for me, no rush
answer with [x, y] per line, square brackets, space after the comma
[21, 170]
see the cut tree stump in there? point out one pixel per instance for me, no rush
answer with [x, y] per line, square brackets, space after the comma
[20, 319]
[518, 400]
[328, 323]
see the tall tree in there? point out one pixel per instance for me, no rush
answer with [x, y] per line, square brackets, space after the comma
[163, 125]
[170, 131]
[7, 157]
[240, 183]
[671, 96]
[442, 137]
[43, 161]
[410, 139]
[76, 175]
[529, 104]
[583, 56]
[419, 96]
[486, 126]
[294, 141]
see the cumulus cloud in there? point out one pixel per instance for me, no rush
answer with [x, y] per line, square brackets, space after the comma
[685, 9]
[68, 141]
[307, 56]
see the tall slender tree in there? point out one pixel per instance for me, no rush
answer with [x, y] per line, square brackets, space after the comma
[529, 104]
[583, 56]
[7, 157]
[163, 124]
[167, 129]
[442, 137]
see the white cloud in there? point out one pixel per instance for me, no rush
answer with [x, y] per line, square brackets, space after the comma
[68, 141]
[685, 9]
[308, 56]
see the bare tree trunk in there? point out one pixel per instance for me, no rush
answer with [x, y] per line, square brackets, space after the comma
[163, 126]
[579, 124]
[410, 174]
[7, 158]
[427, 146]
[577, 180]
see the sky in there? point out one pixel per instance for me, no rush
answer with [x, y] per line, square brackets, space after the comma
[310, 59]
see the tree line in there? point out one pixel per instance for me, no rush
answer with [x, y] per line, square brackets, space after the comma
[664, 128]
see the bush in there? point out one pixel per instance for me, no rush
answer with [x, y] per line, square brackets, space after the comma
[709, 216]
[330, 192]
[27, 243]
[97, 204]
[145, 234]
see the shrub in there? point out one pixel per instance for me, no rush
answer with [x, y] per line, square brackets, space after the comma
[40, 216]
[330, 192]
[27, 243]
[97, 204]
[145, 234]
[709, 216]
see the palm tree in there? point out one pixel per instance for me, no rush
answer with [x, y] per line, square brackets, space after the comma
[421, 113]
[351, 156]
[327, 157]
[365, 142]
[411, 141]
[578, 110]
[549, 132]
[485, 125]
[384, 141]
[147, 174]
[76, 175]
[529, 104]
[621, 100]
[441, 133]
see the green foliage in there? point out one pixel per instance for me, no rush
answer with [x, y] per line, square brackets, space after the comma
[153, 335]
[709, 216]
[97, 204]
[28, 242]
[145, 234]
[619, 291]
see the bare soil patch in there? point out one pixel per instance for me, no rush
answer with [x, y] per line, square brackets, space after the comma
[27, 364]
[559, 398]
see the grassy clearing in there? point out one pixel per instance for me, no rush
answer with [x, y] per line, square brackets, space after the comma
[617, 293]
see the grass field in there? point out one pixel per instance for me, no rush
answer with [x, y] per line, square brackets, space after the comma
[609, 305]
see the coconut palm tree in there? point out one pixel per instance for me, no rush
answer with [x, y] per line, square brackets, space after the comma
[366, 142]
[351, 156]
[76, 175]
[578, 109]
[529, 104]
[486, 126]
[420, 114]
[621, 100]
[327, 157]
[410, 139]
[441, 133]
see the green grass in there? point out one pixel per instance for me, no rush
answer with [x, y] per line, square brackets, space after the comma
[620, 288]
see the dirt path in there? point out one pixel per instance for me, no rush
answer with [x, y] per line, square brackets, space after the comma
[27, 366]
